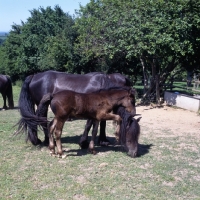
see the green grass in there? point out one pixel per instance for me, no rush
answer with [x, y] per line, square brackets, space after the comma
[164, 170]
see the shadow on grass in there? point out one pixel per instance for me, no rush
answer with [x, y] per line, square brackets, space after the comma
[15, 108]
[143, 148]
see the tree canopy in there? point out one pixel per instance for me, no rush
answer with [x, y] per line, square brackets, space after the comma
[160, 34]
[44, 42]
[153, 38]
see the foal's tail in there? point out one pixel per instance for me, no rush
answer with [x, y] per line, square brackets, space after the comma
[29, 120]
[9, 93]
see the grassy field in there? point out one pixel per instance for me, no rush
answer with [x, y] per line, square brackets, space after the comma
[161, 172]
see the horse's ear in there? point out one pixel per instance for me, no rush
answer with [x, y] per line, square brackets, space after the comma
[132, 92]
[138, 119]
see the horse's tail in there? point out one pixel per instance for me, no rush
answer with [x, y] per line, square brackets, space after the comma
[9, 93]
[44, 104]
[29, 120]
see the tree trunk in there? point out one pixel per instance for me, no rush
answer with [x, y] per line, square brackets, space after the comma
[158, 89]
[144, 76]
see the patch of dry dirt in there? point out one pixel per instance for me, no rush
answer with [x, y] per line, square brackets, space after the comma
[176, 120]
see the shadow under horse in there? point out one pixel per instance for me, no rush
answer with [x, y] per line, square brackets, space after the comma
[36, 86]
[6, 91]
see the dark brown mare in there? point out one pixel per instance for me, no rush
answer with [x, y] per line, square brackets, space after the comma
[36, 86]
[96, 106]
[6, 91]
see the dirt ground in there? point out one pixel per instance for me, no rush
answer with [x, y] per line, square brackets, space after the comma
[177, 120]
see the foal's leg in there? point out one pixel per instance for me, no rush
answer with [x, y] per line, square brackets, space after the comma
[94, 133]
[52, 127]
[111, 116]
[58, 133]
[56, 126]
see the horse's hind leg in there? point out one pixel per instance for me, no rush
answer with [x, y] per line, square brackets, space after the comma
[4, 101]
[94, 133]
[41, 111]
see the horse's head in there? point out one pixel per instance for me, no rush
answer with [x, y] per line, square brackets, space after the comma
[129, 132]
[132, 137]
[129, 102]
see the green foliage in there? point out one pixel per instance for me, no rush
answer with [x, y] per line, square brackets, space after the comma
[156, 29]
[160, 34]
[132, 37]
[44, 42]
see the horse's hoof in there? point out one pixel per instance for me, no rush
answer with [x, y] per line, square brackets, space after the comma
[84, 144]
[92, 151]
[52, 153]
[63, 156]
[38, 142]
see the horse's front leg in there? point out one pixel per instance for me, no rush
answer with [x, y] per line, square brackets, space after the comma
[83, 141]
[94, 133]
[102, 136]
[117, 118]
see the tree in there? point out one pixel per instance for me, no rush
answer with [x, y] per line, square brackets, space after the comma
[156, 33]
[44, 42]
[11, 52]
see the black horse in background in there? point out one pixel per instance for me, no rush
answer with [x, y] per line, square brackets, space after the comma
[6, 91]
[36, 86]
